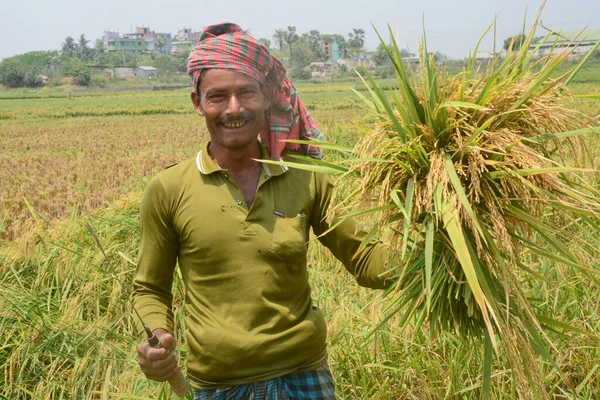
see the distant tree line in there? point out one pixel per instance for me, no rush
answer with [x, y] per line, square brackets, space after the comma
[302, 49]
[75, 58]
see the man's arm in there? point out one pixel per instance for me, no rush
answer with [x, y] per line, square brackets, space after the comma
[152, 282]
[369, 264]
[157, 258]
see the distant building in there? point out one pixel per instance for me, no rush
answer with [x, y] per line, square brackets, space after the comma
[582, 42]
[184, 40]
[126, 45]
[106, 35]
[139, 33]
[140, 72]
[331, 50]
[145, 72]
[123, 72]
[152, 39]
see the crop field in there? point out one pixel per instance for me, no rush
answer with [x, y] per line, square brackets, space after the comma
[59, 155]
[68, 330]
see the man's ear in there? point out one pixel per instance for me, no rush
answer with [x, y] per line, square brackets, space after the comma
[267, 93]
[197, 103]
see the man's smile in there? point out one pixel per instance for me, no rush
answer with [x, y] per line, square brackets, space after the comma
[235, 124]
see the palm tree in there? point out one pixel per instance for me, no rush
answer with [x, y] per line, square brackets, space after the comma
[291, 37]
[279, 37]
[82, 51]
[159, 43]
[356, 39]
[69, 46]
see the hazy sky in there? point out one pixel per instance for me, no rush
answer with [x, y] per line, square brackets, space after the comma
[452, 26]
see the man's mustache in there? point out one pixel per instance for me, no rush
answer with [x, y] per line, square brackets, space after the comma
[241, 117]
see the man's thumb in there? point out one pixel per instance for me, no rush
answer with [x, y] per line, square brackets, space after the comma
[167, 341]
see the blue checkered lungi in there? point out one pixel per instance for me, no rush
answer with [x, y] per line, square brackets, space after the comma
[316, 384]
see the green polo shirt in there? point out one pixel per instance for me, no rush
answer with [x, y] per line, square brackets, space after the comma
[251, 316]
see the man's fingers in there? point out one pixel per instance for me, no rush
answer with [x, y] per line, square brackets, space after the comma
[160, 370]
[168, 341]
[158, 363]
[152, 353]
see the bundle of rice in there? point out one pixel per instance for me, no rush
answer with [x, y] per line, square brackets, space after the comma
[469, 173]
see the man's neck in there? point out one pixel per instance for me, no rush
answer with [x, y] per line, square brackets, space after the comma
[235, 160]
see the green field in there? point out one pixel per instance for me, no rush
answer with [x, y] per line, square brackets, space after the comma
[67, 329]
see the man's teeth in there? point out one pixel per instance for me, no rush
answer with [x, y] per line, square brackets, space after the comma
[232, 125]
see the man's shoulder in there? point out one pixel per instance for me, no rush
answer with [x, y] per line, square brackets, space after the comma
[174, 176]
[179, 169]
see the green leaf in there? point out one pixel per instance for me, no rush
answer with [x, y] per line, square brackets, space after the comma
[410, 189]
[536, 171]
[462, 104]
[580, 63]
[554, 136]
[459, 245]
[370, 103]
[333, 170]
[429, 239]
[323, 144]
[588, 96]
[564, 326]
[487, 367]
[462, 196]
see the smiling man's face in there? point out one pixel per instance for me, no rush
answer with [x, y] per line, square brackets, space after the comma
[233, 105]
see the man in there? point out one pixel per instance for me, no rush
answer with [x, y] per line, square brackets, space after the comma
[239, 230]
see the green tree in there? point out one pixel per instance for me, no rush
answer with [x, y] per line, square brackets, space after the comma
[69, 47]
[314, 41]
[25, 69]
[291, 37]
[180, 61]
[159, 43]
[279, 37]
[277, 53]
[82, 76]
[110, 60]
[82, 51]
[39, 61]
[11, 73]
[165, 64]
[380, 56]
[356, 40]
[516, 41]
[69, 66]
[265, 42]
[303, 56]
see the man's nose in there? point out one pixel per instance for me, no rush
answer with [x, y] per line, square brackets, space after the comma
[233, 105]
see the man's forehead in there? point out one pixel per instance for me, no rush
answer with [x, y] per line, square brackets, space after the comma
[217, 77]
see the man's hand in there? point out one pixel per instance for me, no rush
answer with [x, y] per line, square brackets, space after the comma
[158, 364]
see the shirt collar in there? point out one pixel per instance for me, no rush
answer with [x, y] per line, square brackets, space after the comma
[206, 165]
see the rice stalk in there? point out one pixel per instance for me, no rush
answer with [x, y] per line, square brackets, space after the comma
[467, 175]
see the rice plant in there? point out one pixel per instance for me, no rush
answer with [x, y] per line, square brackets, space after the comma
[476, 178]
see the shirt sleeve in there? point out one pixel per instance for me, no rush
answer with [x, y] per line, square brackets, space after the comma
[369, 263]
[159, 246]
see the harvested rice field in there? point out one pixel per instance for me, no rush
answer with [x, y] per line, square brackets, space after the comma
[67, 329]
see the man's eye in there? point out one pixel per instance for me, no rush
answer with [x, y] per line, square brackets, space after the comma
[216, 98]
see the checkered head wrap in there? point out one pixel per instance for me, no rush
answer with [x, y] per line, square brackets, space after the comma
[227, 46]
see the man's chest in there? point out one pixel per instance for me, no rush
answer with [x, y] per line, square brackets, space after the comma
[214, 222]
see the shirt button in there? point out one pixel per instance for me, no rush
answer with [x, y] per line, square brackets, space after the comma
[239, 202]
